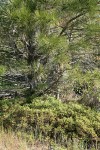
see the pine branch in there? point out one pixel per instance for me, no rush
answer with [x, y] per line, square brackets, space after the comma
[71, 20]
[51, 85]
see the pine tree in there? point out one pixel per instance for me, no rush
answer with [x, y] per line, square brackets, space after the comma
[49, 42]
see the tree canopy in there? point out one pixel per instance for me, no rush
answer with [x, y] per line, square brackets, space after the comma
[52, 46]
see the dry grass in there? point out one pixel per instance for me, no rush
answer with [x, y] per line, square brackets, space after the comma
[10, 141]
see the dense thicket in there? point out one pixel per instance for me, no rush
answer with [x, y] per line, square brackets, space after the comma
[47, 117]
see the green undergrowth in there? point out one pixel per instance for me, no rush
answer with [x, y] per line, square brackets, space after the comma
[50, 119]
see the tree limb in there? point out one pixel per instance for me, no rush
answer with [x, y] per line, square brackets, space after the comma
[71, 20]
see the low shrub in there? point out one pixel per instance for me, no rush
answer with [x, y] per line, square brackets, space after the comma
[48, 118]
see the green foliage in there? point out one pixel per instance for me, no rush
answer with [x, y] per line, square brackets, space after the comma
[55, 45]
[51, 118]
[38, 37]
[2, 69]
